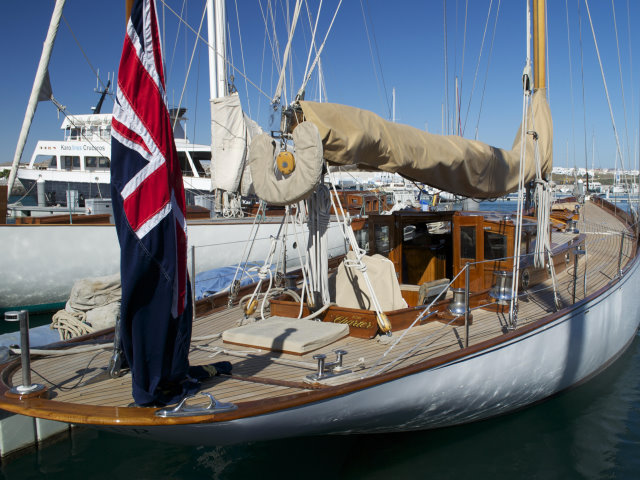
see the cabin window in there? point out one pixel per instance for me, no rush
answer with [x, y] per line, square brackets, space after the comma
[44, 162]
[362, 238]
[416, 235]
[201, 160]
[495, 246]
[73, 133]
[96, 163]
[468, 242]
[381, 233]
[71, 163]
[185, 167]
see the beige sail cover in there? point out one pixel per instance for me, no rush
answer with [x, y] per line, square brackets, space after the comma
[277, 189]
[230, 138]
[351, 136]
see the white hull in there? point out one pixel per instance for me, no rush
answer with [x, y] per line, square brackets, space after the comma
[41, 262]
[493, 381]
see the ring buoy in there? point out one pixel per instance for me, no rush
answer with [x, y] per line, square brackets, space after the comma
[276, 188]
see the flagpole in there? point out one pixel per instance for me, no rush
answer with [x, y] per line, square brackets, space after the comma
[41, 75]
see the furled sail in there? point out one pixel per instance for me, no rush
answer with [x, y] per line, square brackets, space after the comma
[231, 132]
[351, 136]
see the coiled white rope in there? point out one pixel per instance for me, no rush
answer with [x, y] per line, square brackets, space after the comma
[70, 325]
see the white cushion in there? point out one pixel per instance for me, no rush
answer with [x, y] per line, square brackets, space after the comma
[283, 334]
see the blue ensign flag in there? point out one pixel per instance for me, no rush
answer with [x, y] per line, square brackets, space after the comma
[149, 211]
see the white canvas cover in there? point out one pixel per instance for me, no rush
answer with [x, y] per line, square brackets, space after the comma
[246, 184]
[351, 136]
[352, 291]
[230, 137]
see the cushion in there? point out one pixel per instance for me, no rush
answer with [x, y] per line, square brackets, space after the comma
[289, 335]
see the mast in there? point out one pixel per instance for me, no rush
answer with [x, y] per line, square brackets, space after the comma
[539, 44]
[211, 37]
[216, 34]
[128, 5]
[221, 42]
[42, 78]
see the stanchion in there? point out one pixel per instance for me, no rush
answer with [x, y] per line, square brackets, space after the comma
[23, 317]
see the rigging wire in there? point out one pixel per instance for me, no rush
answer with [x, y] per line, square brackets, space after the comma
[195, 107]
[375, 71]
[175, 44]
[526, 96]
[246, 85]
[203, 40]
[95, 72]
[475, 77]
[193, 53]
[273, 41]
[322, 89]
[573, 129]
[446, 70]
[633, 102]
[604, 81]
[486, 74]
[464, 46]
[281, 88]
[312, 43]
[315, 61]
[584, 103]
[624, 103]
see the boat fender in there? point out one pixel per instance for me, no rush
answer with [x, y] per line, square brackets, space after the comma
[279, 188]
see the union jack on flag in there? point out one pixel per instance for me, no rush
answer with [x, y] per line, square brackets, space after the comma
[149, 210]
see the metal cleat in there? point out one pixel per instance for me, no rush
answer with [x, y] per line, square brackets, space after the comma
[328, 370]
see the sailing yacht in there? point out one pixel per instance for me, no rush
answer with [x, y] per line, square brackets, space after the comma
[444, 318]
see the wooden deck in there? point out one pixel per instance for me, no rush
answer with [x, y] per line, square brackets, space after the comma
[261, 375]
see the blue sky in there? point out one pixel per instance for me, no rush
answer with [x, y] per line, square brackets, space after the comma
[407, 39]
